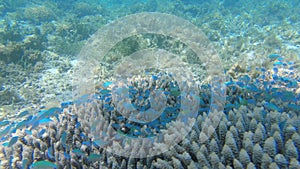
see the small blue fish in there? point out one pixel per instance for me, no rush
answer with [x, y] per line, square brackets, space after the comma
[50, 153]
[22, 124]
[277, 63]
[116, 126]
[105, 91]
[275, 69]
[282, 124]
[13, 130]
[240, 84]
[108, 99]
[167, 92]
[78, 152]
[40, 134]
[154, 77]
[4, 123]
[25, 163]
[101, 97]
[128, 125]
[12, 141]
[242, 101]
[43, 165]
[287, 96]
[35, 123]
[30, 117]
[246, 79]
[44, 116]
[5, 131]
[275, 76]
[230, 106]
[45, 120]
[28, 132]
[274, 56]
[253, 88]
[99, 143]
[137, 133]
[67, 156]
[106, 84]
[94, 157]
[140, 98]
[83, 99]
[110, 108]
[251, 101]
[54, 110]
[292, 84]
[4, 138]
[202, 102]
[64, 139]
[5, 144]
[106, 106]
[77, 125]
[271, 106]
[83, 136]
[133, 91]
[148, 130]
[285, 79]
[292, 73]
[22, 114]
[203, 109]
[87, 143]
[280, 58]
[121, 118]
[66, 104]
[153, 124]
[294, 107]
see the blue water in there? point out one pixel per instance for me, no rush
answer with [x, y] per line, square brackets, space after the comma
[257, 42]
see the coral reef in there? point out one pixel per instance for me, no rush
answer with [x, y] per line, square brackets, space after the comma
[243, 146]
[263, 134]
[259, 127]
[235, 36]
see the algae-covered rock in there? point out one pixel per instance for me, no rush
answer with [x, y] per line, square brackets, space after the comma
[8, 97]
[273, 41]
[2, 9]
[39, 14]
[31, 57]
[83, 9]
[11, 52]
[10, 30]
